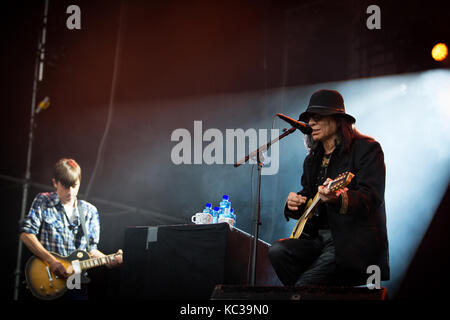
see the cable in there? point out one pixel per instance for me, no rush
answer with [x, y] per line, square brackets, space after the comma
[111, 105]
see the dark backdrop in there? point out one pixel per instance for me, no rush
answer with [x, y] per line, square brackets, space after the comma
[138, 70]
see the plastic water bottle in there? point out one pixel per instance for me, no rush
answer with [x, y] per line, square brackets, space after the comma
[233, 215]
[216, 214]
[225, 206]
[208, 208]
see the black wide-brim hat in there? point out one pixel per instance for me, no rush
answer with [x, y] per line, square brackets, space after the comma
[326, 103]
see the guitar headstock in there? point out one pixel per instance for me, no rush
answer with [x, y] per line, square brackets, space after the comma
[341, 181]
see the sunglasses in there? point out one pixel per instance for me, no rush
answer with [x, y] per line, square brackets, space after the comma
[315, 117]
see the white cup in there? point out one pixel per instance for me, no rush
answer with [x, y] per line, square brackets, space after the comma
[230, 221]
[202, 218]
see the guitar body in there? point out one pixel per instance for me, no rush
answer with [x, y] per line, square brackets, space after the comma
[300, 225]
[42, 282]
[335, 185]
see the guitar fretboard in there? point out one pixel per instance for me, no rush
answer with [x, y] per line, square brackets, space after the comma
[316, 201]
[96, 262]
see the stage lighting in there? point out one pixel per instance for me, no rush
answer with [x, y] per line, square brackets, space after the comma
[439, 52]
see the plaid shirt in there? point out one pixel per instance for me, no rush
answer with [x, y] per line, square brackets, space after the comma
[48, 220]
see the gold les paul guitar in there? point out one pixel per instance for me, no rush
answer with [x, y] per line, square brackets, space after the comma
[45, 285]
[335, 185]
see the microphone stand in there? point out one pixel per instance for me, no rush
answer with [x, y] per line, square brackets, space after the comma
[257, 220]
[38, 74]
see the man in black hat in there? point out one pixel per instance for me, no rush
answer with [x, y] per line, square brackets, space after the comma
[347, 233]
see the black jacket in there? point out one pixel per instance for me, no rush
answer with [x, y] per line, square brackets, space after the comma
[359, 233]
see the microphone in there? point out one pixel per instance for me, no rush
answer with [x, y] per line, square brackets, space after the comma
[44, 104]
[302, 126]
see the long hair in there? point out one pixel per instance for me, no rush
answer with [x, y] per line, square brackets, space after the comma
[346, 133]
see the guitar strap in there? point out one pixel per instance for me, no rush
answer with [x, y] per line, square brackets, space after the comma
[83, 225]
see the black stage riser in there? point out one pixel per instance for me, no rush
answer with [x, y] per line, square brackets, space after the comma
[226, 292]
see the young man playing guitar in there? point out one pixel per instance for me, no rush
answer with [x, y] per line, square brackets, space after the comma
[347, 231]
[54, 224]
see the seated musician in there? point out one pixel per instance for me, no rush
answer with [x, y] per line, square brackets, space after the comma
[347, 232]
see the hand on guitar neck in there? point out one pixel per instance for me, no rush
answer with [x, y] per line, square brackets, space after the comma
[118, 259]
[327, 195]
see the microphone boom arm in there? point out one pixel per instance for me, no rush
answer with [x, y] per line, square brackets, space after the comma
[264, 147]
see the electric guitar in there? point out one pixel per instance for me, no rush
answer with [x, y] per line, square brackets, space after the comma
[337, 184]
[45, 285]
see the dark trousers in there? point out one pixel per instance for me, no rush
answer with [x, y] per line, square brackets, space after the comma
[303, 262]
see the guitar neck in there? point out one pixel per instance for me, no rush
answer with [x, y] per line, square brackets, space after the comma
[96, 262]
[316, 201]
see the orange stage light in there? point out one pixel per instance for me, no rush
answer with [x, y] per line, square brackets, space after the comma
[439, 52]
